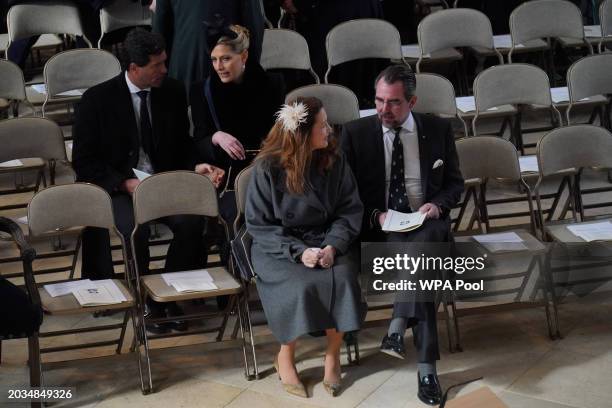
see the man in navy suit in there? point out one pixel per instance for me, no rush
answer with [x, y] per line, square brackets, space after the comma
[406, 162]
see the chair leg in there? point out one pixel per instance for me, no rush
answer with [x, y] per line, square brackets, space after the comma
[122, 334]
[142, 344]
[246, 330]
[456, 324]
[35, 366]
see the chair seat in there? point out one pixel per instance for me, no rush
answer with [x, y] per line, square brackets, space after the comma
[67, 304]
[159, 291]
[32, 163]
[534, 246]
[595, 100]
[500, 111]
[559, 232]
[571, 42]
[503, 46]
[412, 52]
[48, 40]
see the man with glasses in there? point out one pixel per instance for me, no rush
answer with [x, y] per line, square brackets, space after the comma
[406, 162]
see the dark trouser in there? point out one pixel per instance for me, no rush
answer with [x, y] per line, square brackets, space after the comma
[19, 316]
[186, 249]
[421, 316]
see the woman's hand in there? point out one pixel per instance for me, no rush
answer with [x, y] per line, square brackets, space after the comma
[230, 144]
[327, 256]
[215, 174]
[310, 257]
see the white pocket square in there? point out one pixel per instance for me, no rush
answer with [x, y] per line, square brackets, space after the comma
[437, 164]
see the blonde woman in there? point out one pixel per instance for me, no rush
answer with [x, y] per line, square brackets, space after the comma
[304, 213]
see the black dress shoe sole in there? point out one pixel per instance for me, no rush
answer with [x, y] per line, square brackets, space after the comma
[393, 353]
[428, 402]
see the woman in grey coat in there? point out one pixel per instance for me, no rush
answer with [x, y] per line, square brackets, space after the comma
[303, 212]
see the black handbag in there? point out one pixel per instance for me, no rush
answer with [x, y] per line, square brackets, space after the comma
[241, 251]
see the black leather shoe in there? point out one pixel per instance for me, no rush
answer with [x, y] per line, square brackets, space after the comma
[429, 389]
[393, 345]
[173, 310]
[158, 328]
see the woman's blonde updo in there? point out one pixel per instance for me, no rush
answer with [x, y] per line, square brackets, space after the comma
[238, 44]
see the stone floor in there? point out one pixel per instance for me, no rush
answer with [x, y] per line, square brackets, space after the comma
[510, 350]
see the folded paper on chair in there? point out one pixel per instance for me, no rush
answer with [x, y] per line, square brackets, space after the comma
[190, 281]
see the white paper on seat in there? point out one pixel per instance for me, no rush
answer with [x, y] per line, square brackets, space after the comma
[12, 163]
[504, 41]
[201, 274]
[503, 241]
[598, 231]
[69, 144]
[367, 112]
[112, 288]
[100, 295]
[72, 92]
[413, 51]
[40, 88]
[65, 288]
[529, 164]
[592, 31]
[468, 104]
[22, 220]
[561, 94]
[396, 221]
[193, 285]
[141, 175]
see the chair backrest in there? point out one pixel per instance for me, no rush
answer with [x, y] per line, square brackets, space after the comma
[242, 184]
[12, 83]
[283, 48]
[452, 28]
[546, 19]
[590, 76]
[511, 84]
[340, 103]
[79, 69]
[575, 146]
[31, 137]
[48, 17]
[174, 193]
[123, 13]
[488, 157]
[435, 94]
[66, 206]
[605, 16]
[362, 38]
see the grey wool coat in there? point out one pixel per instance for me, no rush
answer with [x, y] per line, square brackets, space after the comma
[296, 299]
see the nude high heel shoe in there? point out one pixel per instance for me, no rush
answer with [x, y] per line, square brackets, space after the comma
[293, 389]
[332, 388]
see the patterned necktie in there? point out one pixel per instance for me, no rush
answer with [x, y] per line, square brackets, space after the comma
[398, 199]
[146, 132]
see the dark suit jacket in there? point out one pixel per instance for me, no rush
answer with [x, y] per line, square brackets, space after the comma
[362, 142]
[106, 139]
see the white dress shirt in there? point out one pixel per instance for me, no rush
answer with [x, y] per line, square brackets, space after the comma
[144, 162]
[412, 163]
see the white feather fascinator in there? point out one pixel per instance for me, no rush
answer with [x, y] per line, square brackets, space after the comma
[291, 116]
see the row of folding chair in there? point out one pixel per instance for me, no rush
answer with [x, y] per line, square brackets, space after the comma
[534, 25]
[62, 17]
[57, 209]
[66, 76]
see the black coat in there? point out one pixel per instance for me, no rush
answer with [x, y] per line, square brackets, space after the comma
[106, 139]
[245, 111]
[181, 22]
[362, 142]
